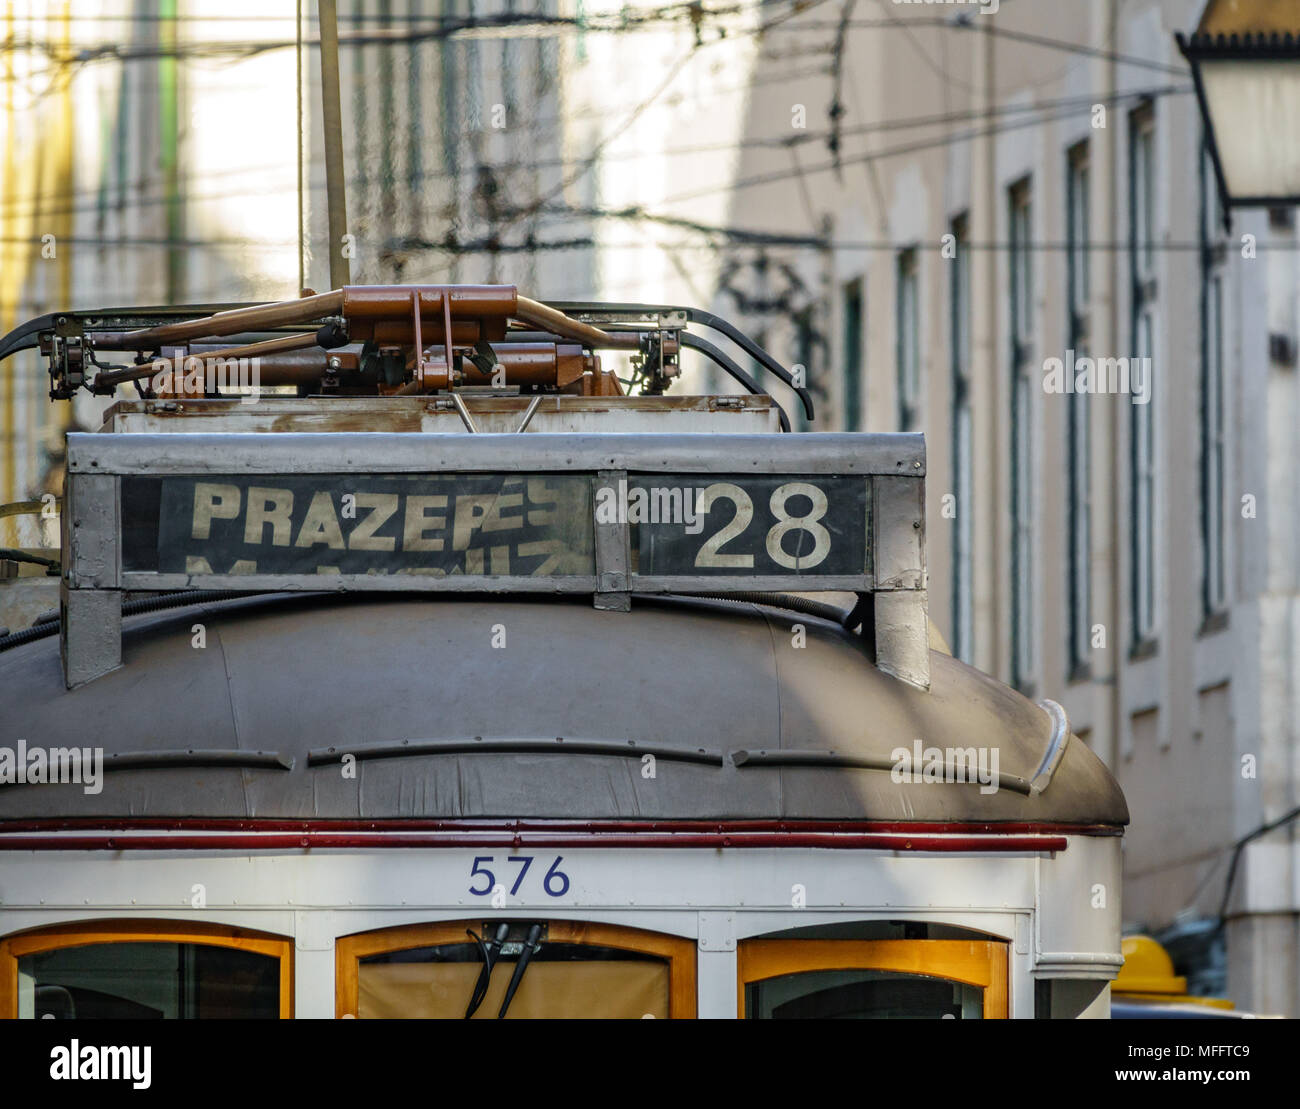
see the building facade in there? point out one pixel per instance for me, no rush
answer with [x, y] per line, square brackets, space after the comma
[966, 203]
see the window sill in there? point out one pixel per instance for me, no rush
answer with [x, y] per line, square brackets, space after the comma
[1214, 622]
[1146, 648]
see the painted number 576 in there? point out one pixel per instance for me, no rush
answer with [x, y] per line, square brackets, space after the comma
[555, 883]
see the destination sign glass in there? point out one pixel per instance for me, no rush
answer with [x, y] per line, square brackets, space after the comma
[496, 525]
[472, 524]
[748, 524]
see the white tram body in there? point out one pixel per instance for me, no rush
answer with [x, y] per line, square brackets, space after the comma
[685, 799]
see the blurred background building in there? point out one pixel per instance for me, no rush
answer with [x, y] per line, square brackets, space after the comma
[918, 204]
[991, 190]
[152, 155]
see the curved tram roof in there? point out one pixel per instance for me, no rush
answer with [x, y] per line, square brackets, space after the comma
[743, 726]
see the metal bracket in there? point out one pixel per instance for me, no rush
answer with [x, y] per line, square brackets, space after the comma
[717, 931]
[900, 604]
[613, 551]
[465, 416]
[90, 633]
[528, 415]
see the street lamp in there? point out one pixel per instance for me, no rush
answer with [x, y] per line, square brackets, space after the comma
[1245, 59]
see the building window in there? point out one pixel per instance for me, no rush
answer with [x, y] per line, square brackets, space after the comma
[1078, 455]
[1142, 458]
[962, 445]
[1022, 386]
[145, 969]
[854, 307]
[1214, 257]
[909, 356]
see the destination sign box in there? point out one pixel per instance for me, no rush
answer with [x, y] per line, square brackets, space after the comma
[608, 515]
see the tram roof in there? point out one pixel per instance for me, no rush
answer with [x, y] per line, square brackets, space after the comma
[556, 724]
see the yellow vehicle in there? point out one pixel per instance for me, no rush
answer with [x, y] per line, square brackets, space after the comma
[1146, 987]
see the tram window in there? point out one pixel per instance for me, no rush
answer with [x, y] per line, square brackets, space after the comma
[861, 995]
[149, 981]
[561, 980]
[792, 979]
[578, 970]
[138, 970]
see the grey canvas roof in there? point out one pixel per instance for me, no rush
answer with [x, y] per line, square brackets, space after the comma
[555, 724]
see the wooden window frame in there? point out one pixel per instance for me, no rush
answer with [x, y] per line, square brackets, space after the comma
[86, 933]
[679, 951]
[972, 962]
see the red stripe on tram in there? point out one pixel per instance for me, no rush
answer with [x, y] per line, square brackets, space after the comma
[279, 841]
[673, 827]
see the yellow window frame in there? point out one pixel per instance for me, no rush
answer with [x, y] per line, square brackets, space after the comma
[680, 953]
[86, 933]
[973, 962]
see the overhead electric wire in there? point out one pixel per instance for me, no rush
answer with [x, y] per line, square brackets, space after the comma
[741, 235]
[449, 27]
[908, 148]
[966, 21]
[884, 125]
[361, 179]
[590, 161]
[628, 20]
[1049, 43]
[659, 11]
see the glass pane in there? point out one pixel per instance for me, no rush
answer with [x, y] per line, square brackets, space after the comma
[149, 981]
[1078, 237]
[1026, 270]
[1082, 255]
[1022, 537]
[1148, 203]
[1144, 198]
[962, 537]
[1215, 584]
[908, 360]
[861, 995]
[960, 322]
[853, 325]
[562, 980]
[1079, 511]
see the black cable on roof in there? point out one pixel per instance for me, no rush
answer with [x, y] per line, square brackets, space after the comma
[50, 627]
[130, 608]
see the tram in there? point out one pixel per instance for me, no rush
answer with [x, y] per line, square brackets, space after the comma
[437, 661]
